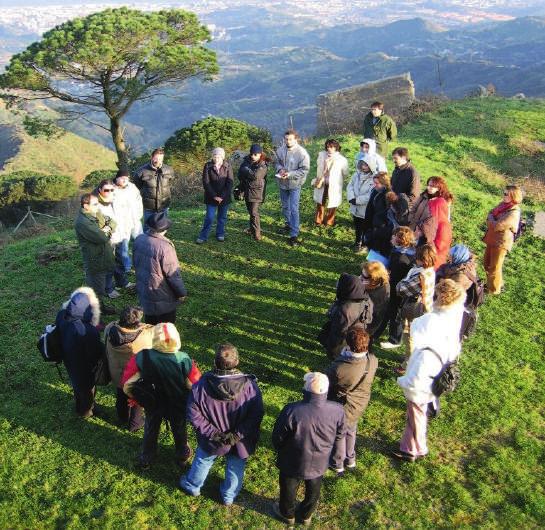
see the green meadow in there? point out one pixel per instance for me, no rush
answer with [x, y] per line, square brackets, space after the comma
[487, 459]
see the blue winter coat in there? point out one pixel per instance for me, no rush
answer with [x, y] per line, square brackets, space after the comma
[159, 281]
[226, 403]
[304, 435]
[81, 342]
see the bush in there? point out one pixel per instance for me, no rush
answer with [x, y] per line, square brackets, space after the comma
[92, 180]
[24, 187]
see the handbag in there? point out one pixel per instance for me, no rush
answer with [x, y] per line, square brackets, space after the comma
[144, 391]
[238, 193]
[447, 379]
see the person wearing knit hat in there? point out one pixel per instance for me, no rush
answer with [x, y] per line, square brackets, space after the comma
[172, 372]
[217, 179]
[460, 267]
[252, 175]
[435, 341]
[303, 436]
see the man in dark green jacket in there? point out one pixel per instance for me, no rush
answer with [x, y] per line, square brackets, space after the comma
[380, 127]
[93, 231]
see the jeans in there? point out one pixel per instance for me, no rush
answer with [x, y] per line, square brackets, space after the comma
[176, 419]
[122, 263]
[202, 462]
[222, 210]
[149, 213]
[290, 209]
[344, 450]
[288, 493]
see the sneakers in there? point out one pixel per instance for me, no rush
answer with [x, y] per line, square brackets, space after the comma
[406, 457]
[339, 472]
[200, 241]
[350, 465]
[221, 239]
[290, 521]
[389, 345]
[130, 285]
[294, 242]
[114, 294]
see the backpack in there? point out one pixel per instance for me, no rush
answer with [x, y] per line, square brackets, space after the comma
[144, 391]
[50, 344]
[475, 293]
[447, 379]
[520, 229]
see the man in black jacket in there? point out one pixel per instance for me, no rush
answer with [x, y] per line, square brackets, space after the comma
[303, 436]
[405, 178]
[153, 181]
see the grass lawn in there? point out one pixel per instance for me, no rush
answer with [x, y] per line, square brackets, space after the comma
[487, 459]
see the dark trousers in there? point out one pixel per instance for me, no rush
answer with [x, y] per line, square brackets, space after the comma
[359, 227]
[152, 426]
[255, 221]
[85, 400]
[288, 494]
[132, 417]
[392, 321]
[159, 319]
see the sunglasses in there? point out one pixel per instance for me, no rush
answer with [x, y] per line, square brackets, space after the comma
[109, 190]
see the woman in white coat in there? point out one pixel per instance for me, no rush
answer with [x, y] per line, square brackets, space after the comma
[436, 342]
[358, 192]
[331, 170]
[368, 146]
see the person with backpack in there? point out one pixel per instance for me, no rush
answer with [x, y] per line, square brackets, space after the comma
[82, 348]
[436, 343]
[350, 377]
[502, 225]
[303, 436]
[352, 305]
[124, 338]
[225, 408]
[171, 373]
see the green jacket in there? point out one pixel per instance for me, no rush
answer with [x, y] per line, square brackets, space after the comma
[95, 245]
[382, 132]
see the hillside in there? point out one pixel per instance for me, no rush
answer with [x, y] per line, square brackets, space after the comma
[487, 447]
[68, 155]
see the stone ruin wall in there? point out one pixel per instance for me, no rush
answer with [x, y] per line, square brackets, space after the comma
[342, 111]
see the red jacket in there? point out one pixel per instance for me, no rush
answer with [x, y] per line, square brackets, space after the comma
[439, 209]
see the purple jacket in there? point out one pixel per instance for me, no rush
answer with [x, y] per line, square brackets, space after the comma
[222, 404]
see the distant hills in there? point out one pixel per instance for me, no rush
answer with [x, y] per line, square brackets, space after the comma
[273, 68]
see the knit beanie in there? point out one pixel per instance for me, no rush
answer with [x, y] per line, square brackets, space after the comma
[166, 338]
[256, 149]
[459, 254]
[316, 383]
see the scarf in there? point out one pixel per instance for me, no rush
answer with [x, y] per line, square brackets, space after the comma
[502, 207]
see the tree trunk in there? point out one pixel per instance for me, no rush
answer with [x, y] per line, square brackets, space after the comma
[119, 143]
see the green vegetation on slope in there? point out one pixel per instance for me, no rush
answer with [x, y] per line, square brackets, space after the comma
[487, 447]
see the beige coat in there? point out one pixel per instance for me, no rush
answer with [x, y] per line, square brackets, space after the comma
[500, 232]
[118, 356]
[338, 171]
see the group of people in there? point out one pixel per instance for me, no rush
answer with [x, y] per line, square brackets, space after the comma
[414, 284]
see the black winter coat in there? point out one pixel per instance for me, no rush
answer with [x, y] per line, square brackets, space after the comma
[348, 309]
[154, 186]
[405, 179]
[217, 184]
[159, 282]
[380, 297]
[253, 179]
[304, 434]
[378, 232]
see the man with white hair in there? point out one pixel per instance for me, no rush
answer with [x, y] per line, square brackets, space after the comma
[217, 180]
[303, 436]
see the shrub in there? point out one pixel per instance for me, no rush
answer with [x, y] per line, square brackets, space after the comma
[92, 180]
[29, 187]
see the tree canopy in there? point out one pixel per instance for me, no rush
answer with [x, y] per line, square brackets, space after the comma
[109, 60]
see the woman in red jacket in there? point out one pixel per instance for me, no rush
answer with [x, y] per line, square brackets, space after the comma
[439, 209]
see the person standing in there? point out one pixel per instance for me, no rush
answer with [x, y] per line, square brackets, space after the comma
[292, 167]
[225, 408]
[331, 170]
[77, 322]
[405, 178]
[378, 233]
[93, 231]
[350, 377]
[172, 372]
[358, 193]
[123, 339]
[128, 210]
[303, 436]
[159, 283]
[501, 226]
[379, 127]
[153, 181]
[217, 179]
[436, 343]
[368, 146]
[252, 175]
